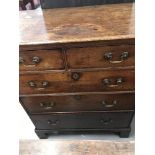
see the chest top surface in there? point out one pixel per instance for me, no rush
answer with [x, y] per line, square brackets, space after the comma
[81, 24]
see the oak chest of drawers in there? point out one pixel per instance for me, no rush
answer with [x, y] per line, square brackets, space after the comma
[77, 69]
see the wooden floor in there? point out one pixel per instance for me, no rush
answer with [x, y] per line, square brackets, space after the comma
[79, 147]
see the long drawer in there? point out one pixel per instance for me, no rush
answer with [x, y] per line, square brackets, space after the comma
[83, 120]
[41, 60]
[70, 103]
[60, 82]
[101, 57]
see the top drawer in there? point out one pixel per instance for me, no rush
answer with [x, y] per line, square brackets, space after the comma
[41, 60]
[101, 57]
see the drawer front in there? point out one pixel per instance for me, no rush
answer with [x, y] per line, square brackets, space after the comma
[41, 60]
[83, 120]
[101, 57]
[63, 82]
[70, 103]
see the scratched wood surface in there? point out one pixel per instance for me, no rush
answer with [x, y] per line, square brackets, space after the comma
[81, 24]
[85, 147]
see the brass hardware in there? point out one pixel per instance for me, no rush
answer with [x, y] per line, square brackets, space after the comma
[106, 121]
[21, 60]
[32, 84]
[109, 105]
[108, 56]
[35, 61]
[119, 80]
[55, 122]
[47, 105]
[44, 84]
[75, 76]
[107, 82]
[124, 55]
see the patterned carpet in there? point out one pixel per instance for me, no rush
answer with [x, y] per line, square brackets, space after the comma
[76, 147]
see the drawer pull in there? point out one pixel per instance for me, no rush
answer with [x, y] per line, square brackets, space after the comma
[75, 76]
[47, 105]
[106, 121]
[109, 105]
[32, 84]
[35, 60]
[40, 85]
[55, 122]
[45, 83]
[109, 56]
[108, 82]
[21, 60]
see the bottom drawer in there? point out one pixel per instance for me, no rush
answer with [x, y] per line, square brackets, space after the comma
[89, 120]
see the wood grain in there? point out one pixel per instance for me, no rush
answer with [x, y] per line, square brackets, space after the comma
[83, 121]
[76, 147]
[69, 103]
[94, 57]
[96, 23]
[97, 28]
[48, 60]
[62, 82]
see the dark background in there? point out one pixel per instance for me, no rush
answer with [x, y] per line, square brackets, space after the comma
[46, 4]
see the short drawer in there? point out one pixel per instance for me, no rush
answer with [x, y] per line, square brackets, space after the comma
[41, 60]
[92, 120]
[101, 57]
[70, 103]
[64, 82]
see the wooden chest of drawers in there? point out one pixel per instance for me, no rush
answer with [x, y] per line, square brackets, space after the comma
[77, 69]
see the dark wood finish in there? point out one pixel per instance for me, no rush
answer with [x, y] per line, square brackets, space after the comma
[97, 120]
[125, 133]
[61, 82]
[47, 4]
[99, 43]
[48, 60]
[78, 121]
[95, 57]
[43, 134]
[69, 103]
[76, 25]
[74, 54]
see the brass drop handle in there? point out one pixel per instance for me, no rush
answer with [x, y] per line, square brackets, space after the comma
[109, 105]
[53, 122]
[47, 105]
[21, 60]
[107, 82]
[32, 84]
[35, 60]
[45, 83]
[40, 85]
[106, 121]
[75, 76]
[108, 56]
